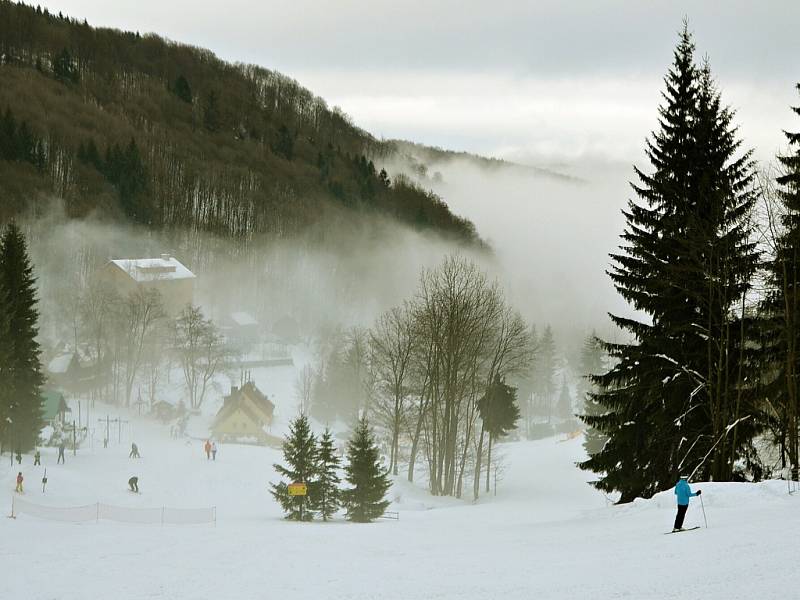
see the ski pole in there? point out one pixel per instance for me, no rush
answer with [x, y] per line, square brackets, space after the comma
[702, 506]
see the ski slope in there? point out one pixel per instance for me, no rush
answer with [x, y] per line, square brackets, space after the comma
[545, 535]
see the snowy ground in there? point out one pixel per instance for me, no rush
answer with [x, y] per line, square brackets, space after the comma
[546, 535]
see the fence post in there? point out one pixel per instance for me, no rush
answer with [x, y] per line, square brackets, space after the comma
[13, 499]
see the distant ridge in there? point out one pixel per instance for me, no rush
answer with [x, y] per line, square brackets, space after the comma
[429, 157]
[137, 128]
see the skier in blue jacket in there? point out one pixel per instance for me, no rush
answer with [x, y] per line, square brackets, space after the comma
[683, 492]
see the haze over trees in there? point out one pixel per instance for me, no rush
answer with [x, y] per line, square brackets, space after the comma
[168, 136]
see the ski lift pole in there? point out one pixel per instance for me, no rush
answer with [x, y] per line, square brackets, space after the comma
[703, 508]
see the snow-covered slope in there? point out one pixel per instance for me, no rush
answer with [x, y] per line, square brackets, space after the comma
[545, 535]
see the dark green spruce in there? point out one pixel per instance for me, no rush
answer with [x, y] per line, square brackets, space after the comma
[676, 399]
[365, 500]
[20, 368]
[499, 413]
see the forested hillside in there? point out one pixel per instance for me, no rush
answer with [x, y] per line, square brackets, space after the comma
[135, 127]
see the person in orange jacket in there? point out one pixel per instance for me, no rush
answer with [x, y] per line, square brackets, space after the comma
[207, 448]
[20, 479]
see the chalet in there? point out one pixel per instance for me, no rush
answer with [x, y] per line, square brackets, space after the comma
[54, 407]
[166, 410]
[241, 327]
[65, 368]
[166, 274]
[244, 415]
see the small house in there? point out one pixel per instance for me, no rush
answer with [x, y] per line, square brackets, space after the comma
[163, 411]
[64, 369]
[241, 327]
[54, 407]
[244, 415]
[166, 274]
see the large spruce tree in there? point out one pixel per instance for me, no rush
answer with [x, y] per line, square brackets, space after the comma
[20, 370]
[365, 500]
[781, 312]
[301, 455]
[676, 390]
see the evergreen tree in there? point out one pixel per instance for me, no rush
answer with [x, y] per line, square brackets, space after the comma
[781, 312]
[284, 145]
[126, 170]
[499, 413]
[301, 455]
[21, 409]
[365, 500]
[591, 365]
[676, 388]
[525, 383]
[182, 90]
[565, 410]
[8, 136]
[212, 118]
[327, 483]
[64, 67]
[545, 372]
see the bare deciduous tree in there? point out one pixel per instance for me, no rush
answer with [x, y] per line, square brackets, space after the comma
[201, 352]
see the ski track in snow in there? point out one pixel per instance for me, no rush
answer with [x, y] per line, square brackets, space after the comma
[546, 535]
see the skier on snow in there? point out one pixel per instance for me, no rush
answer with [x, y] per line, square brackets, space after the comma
[134, 451]
[207, 448]
[214, 450]
[133, 482]
[683, 492]
[20, 479]
[37, 458]
[60, 453]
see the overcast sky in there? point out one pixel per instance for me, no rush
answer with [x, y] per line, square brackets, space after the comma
[536, 81]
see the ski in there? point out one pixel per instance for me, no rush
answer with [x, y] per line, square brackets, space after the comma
[682, 530]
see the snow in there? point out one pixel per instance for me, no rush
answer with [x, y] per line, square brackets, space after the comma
[545, 535]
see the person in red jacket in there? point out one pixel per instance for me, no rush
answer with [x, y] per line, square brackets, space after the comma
[20, 479]
[207, 448]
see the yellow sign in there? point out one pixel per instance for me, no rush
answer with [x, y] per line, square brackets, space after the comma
[298, 489]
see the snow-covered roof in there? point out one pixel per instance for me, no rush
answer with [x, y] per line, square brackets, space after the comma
[154, 269]
[60, 364]
[243, 319]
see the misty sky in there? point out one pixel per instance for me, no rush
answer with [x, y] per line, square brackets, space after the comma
[535, 81]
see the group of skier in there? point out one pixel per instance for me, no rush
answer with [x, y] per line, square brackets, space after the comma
[211, 450]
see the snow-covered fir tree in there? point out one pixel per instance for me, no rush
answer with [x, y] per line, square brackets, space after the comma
[301, 455]
[365, 500]
[678, 388]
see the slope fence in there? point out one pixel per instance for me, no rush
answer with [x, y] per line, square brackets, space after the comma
[94, 512]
